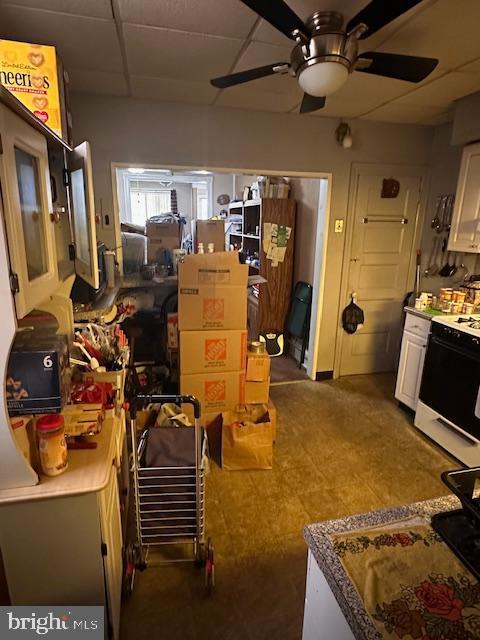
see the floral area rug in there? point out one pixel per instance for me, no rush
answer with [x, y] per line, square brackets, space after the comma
[412, 585]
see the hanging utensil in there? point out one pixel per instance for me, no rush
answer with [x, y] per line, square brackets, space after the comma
[462, 271]
[453, 270]
[450, 203]
[431, 264]
[445, 270]
[436, 219]
[443, 209]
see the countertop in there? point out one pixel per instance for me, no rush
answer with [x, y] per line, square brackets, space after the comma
[320, 544]
[427, 314]
[88, 469]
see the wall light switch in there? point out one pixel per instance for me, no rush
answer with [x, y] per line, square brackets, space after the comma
[338, 226]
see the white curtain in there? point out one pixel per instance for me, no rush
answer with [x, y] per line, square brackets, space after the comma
[145, 204]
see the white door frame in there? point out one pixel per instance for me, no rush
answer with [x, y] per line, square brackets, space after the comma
[320, 241]
[389, 170]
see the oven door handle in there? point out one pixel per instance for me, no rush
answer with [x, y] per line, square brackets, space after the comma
[451, 425]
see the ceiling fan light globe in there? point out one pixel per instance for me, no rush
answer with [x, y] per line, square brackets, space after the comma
[323, 78]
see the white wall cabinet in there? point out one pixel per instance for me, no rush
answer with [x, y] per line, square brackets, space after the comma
[465, 231]
[412, 357]
[25, 180]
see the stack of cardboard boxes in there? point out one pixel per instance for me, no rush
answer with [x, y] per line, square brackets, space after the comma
[214, 363]
[212, 320]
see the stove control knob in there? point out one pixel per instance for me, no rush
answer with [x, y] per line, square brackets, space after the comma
[456, 334]
[475, 341]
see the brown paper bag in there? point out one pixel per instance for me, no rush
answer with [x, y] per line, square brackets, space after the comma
[246, 445]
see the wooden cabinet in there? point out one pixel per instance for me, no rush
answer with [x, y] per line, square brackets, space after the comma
[412, 357]
[465, 230]
[25, 181]
[248, 232]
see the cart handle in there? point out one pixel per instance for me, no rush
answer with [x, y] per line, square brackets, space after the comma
[138, 402]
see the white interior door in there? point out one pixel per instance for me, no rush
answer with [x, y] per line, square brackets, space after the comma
[380, 259]
[83, 213]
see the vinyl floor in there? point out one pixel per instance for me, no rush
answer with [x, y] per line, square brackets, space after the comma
[343, 447]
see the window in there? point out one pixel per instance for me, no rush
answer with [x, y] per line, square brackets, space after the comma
[145, 204]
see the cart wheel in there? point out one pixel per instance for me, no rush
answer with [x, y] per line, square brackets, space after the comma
[210, 567]
[130, 569]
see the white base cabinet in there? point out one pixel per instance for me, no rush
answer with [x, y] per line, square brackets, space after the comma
[412, 357]
[323, 619]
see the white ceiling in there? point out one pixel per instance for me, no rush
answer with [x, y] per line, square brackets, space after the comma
[169, 49]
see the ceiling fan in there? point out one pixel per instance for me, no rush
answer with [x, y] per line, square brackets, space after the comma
[326, 50]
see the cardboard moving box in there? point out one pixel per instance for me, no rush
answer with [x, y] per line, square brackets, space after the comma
[258, 367]
[161, 237]
[215, 391]
[212, 292]
[203, 351]
[257, 392]
[210, 232]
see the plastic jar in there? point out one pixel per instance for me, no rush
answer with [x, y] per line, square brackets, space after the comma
[51, 444]
[19, 426]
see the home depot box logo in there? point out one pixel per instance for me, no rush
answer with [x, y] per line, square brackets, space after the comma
[215, 391]
[213, 309]
[215, 350]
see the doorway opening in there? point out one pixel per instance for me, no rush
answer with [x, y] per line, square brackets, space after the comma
[141, 191]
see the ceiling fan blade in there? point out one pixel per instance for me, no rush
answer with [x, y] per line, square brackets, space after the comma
[279, 15]
[311, 103]
[394, 65]
[245, 76]
[378, 13]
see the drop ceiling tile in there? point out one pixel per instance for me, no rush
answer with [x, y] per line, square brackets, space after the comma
[447, 31]
[471, 67]
[243, 97]
[169, 90]
[92, 8]
[82, 43]
[443, 91]
[97, 82]
[163, 53]
[368, 91]
[403, 113]
[441, 118]
[337, 108]
[232, 19]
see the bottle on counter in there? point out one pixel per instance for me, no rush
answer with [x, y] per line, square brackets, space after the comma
[51, 444]
[19, 427]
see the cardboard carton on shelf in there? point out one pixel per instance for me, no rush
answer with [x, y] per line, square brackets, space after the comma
[212, 292]
[257, 392]
[161, 237]
[204, 351]
[210, 232]
[258, 367]
[217, 392]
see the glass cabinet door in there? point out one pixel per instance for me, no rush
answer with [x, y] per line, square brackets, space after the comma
[31, 213]
[25, 182]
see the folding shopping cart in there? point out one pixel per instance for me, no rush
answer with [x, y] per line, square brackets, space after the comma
[168, 469]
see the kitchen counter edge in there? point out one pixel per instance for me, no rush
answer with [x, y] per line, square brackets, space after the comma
[317, 537]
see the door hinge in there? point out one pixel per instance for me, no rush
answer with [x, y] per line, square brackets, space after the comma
[66, 178]
[1, 144]
[14, 283]
[104, 549]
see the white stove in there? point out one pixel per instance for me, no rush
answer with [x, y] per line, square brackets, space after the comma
[467, 323]
[448, 410]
